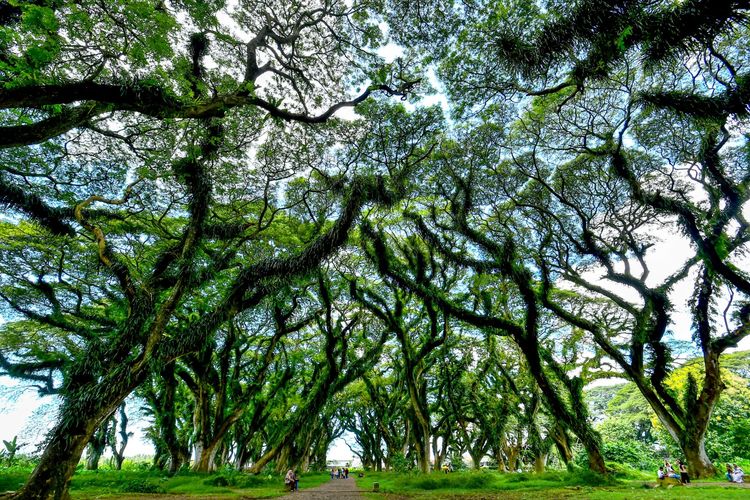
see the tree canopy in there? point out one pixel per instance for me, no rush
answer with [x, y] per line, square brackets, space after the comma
[244, 214]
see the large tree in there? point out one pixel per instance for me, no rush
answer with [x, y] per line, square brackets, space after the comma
[623, 112]
[135, 128]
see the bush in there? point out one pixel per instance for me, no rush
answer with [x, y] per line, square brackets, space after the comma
[217, 481]
[400, 463]
[632, 453]
[139, 464]
[248, 481]
[140, 486]
[427, 484]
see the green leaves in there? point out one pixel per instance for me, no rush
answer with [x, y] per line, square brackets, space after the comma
[38, 18]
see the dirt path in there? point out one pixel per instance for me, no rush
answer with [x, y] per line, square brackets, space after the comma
[335, 489]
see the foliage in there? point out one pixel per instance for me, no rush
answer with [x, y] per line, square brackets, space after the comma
[191, 215]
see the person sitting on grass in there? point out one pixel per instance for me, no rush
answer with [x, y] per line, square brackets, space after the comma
[730, 473]
[660, 474]
[670, 471]
[291, 480]
[738, 474]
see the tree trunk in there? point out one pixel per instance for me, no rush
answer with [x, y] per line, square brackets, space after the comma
[79, 418]
[513, 458]
[436, 454]
[177, 454]
[96, 446]
[699, 465]
[51, 477]
[540, 461]
[423, 453]
[562, 443]
[206, 455]
[580, 427]
[500, 462]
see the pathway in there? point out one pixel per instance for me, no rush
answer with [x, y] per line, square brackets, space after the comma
[335, 489]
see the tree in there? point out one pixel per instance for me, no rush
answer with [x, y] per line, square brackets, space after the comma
[105, 106]
[607, 90]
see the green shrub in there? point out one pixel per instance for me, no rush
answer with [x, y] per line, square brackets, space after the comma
[518, 478]
[632, 453]
[400, 463]
[140, 486]
[427, 483]
[251, 481]
[217, 481]
[473, 481]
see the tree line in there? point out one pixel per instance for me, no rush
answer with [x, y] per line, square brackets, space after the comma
[188, 218]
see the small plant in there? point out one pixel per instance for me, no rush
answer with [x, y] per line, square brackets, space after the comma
[11, 448]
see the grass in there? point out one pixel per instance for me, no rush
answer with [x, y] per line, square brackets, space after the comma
[623, 483]
[137, 483]
[480, 485]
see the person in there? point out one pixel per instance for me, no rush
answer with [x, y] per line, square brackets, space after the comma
[445, 468]
[670, 471]
[660, 473]
[346, 472]
[730, 473]
[684, 477]
[291, 480]
[333, 472]
[738, 475]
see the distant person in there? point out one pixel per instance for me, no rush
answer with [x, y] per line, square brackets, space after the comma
[730, 473]
[684, 476]
[291, 480]
[738, 475]
[346, 472]
[333, 472]
[670, 471]
[445, 468]
[660, 474]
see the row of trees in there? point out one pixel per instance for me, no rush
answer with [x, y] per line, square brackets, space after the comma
[187, 220]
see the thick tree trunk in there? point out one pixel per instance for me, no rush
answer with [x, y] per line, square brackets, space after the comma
[500, 464]
[78, 420]
[206, 455]
[51, 478]
[423, 453]
[513, 453]
[562, 443]
[699, 465]
[436, 454]
[540, 462]
[96, 447]
[178, 454]
[580, 427]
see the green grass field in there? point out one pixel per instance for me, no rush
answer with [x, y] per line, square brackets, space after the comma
[630, 485]
[141, 484]
[475, 485]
